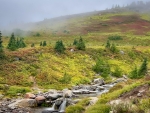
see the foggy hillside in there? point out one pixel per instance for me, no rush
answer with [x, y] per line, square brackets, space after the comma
[63, 22]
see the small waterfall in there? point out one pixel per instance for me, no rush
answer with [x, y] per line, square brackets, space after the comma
[52, 108]
[63, 106]
[48, 110]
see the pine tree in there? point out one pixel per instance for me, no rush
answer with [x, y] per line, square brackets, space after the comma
[22, 43]
[41, 43]
[75, 42]
[81, 44]
[1, 47]
[143, 69]
[17, 43]
[12, 43]
[134, 73]
[44, 43]
[59, 47]
[113, 48]
[32, 45]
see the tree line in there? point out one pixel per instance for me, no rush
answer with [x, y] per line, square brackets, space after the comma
[16, 43]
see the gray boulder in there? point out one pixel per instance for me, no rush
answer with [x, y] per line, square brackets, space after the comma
[67, 93]
[27, 103]
[99, 81]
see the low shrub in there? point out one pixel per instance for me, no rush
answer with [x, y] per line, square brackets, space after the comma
[79, 107]
[117, 72]
[75, 109]
[115, 38]
[13, 90]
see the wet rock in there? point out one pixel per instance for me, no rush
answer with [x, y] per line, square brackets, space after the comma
[40, 99]
[100, 87]
[53, 96]
[13, 104]
[108, 86]
[139, 95]
[120, 80]
[124, 76]
[99, 81]
[93, 87]
[85, 91]
[122, 52]
[58, 102]
[30, 95]
[75, 87]
[27, 103]
[77, 91]
[93, 92]
[67, 93]
[141, 91]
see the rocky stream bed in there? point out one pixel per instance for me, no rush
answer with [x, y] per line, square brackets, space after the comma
[54, 100]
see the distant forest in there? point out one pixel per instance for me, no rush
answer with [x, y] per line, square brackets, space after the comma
[138, 6]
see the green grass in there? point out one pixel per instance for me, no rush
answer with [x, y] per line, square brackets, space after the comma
[14, 90]
[79, 107]
[102, 105]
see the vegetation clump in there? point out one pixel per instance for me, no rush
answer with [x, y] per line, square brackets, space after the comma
[101, 67]
[111, 47]
[66, 79]
[43, 43]
[2, 54]
[14, 90]
[79, 107]
[117, 72]
[139, 73]
[32, 45]
[59, 47]
[15, 44]
[115, 38]
[80, 45]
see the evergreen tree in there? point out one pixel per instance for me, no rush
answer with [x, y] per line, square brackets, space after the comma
[22, 43]
[44, 43]
[59, 47]
[75, 42]
[17, 43]
[81, 44]
[41, 43]
[134, 73]
[1, 47]
[12, 43]
[32, 45]
[108, 44]
[113, 48]
[143, 69]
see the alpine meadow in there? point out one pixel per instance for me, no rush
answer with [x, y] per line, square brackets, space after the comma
[94, 62]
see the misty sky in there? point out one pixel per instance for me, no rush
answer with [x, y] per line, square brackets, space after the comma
[22, 11]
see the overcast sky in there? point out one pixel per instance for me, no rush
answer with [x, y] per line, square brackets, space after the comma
[15, 11]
